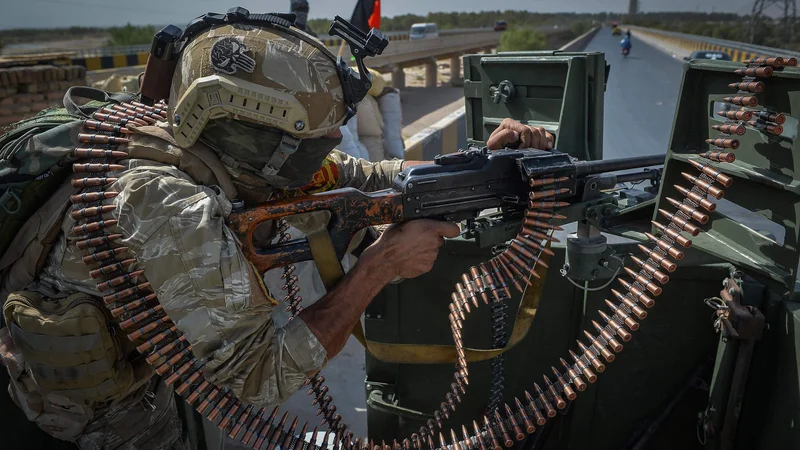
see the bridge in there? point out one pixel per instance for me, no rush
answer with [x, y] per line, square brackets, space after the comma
[400, 53]
[640, 102]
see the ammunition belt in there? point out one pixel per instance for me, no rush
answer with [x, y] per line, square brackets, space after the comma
[131, 300]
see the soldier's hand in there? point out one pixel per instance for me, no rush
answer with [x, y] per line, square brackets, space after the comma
[409, 249]
[510, 131]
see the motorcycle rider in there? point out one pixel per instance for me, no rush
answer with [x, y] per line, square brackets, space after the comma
[625, 43]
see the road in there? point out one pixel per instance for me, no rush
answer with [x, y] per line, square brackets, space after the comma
[640, 100]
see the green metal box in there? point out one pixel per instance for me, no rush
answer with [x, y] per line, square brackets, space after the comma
[562, 92]
[756, 225]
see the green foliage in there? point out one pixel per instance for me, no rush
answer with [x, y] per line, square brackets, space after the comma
[522, 39]
[27, 35]
[579, 28]
[131, 35]
[453, 20]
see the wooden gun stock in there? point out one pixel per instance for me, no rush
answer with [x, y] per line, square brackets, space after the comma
[351, 210]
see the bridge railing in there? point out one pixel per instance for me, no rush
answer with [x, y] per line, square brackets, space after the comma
[329, 41]
[739, 51]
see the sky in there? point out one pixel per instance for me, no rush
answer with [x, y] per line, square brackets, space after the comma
[65, 13]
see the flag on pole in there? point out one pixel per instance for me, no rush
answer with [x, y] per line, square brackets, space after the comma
[367, 15]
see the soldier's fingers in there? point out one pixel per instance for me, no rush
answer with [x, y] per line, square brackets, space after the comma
[446, 229]
[499, 139]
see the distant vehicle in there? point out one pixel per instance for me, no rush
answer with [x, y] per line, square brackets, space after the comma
[704, 54]
[424, 31]
[500, 25]
[615, 30]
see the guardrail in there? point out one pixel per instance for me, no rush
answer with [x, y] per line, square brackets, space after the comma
[136, 55]
[328, 40]
[739, 51]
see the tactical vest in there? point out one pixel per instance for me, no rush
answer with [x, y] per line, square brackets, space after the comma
[69, 354]
[67, 357]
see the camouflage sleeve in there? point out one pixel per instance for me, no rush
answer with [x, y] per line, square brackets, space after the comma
[364, 175]
[177, 230]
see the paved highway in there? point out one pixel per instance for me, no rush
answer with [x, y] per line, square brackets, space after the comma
[640, 100]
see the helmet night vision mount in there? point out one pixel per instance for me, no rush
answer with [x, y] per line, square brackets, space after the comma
[171, 40]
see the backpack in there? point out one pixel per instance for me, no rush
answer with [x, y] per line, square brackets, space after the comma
[36, 156]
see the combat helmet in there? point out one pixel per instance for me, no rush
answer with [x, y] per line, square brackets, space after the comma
[258, 68]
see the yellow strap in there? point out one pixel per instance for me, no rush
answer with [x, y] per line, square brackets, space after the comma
[330, 269]
[331, 272]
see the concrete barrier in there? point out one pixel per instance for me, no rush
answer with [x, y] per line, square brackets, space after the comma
[450, 134]
[738, 51]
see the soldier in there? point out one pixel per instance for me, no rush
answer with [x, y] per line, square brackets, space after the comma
[167, 208]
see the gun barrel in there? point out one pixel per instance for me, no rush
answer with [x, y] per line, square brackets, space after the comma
[638, 176]
[612, 165]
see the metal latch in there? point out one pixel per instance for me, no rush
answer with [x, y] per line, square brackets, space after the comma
[8, 196]
[502, 92]
[381, 396]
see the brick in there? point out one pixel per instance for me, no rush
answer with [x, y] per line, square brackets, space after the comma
[54, 95]
[21, 98]
[6, 111]
[8, 78]
[23, 75]
[38, 106]
[21, 108]
[29, 88]
[8, 120]
[8, 101]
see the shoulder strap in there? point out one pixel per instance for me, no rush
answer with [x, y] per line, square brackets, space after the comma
[331, 272]
[92, 94]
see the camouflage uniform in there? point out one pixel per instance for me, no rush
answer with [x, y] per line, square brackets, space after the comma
[173, 199]
[175, 228]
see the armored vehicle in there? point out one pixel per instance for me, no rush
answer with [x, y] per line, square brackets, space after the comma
[592, 313]
[709, 360]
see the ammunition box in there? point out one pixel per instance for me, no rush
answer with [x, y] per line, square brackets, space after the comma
[756, 225]
[562, 92]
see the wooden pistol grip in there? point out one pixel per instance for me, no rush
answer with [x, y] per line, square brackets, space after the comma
[350, 209]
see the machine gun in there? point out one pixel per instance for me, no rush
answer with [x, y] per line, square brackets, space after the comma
[456, 187]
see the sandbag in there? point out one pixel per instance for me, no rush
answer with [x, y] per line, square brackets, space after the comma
[370, 122]
[118, 83]
[378, 82]
[374, 145]
[392, 113]
[351, 146]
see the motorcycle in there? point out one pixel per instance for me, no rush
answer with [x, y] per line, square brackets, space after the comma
[625, 45]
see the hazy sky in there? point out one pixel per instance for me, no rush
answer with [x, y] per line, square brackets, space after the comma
[63, 13]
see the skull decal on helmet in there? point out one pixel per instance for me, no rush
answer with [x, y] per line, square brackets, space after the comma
[229, 55]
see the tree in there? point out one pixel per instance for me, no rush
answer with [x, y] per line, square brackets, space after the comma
[131, 35]
[522, 39]
[579, 28]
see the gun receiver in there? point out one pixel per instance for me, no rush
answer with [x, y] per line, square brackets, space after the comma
[456, 187]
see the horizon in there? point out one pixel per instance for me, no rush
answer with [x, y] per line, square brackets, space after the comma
[60, 14]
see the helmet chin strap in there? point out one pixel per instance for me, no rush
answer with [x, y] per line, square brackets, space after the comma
[288, 146]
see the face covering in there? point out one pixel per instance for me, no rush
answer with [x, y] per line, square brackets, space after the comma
[244, 146]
